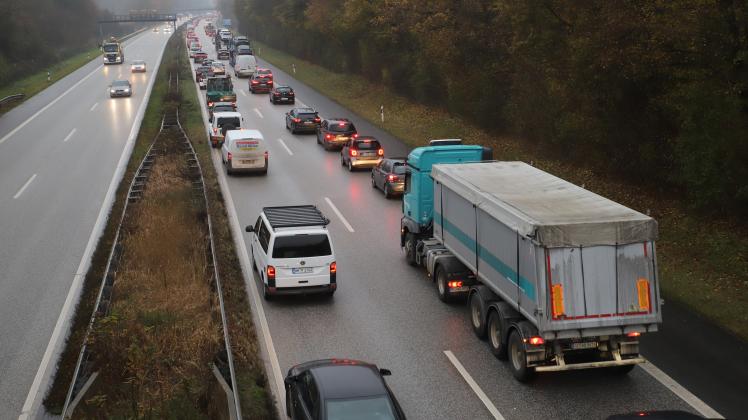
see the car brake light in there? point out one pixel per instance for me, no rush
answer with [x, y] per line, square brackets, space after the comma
[228, 157]
[317, 119]
[354, 152]
[380, 152]
[536, 340]
[254, 82]
[271, 272]
[215, 130]
[333, 267]
[266, 155]
[454, 283]
[391, 178]
[210, 104]
[633, 334]
[276, 94]
[355, 135]
[328, 136]
[296, 120]
[342, 124]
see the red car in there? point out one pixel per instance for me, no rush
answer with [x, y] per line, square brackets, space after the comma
[265, 73]
[260, 83]
[199, 56]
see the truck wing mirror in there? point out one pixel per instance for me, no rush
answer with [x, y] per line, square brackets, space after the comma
[385, 372]
[250, 228]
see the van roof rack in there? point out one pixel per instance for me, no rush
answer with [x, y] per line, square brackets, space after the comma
[295, 216]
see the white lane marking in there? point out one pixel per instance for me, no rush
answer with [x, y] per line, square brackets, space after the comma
[23, 188]
[680, 391]
[93, 106]
[340, 215]
[243, 92]
[283, 143]
[71, 300]
[69, 135]
[259, 114]
[54, 101]
[473, 385]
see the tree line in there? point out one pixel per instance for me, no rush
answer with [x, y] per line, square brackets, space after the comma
[653, 90]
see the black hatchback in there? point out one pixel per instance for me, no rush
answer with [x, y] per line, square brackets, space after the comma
[302, 119]
[282, 95]
[340, 389]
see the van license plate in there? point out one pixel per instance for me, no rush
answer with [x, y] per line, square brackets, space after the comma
[584, 345]
[305, 270]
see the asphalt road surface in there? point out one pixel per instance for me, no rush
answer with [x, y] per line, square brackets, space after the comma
[387, 312]
[58, 155]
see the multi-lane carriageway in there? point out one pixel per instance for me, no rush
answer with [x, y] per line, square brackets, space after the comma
[60, 157]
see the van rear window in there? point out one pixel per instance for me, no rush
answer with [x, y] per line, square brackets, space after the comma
[301, 246]
[229, 120]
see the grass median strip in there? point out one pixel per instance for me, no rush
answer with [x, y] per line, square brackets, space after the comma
[155, 350]
[703, 260]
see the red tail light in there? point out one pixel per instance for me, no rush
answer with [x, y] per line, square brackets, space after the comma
[215, 131]
[228, 157]
[536, 340]
[355, 135]
[354, 152]
[210, 104]
[271, 272]
[392, 178]
[254, 82]
[633, 334]
[380, 152]
[296, 120]
[454, 283]
[333, 267]
[328, 136]
[266, 155]
[317, 119]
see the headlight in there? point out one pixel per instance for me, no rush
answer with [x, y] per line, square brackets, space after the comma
[127, 89]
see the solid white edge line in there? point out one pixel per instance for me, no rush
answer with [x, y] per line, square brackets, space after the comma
[93, 107]
[242, 91]
[259, 114]
[54, 101]
[23, 188]
[695, 402]
[70, 135]
[71, 300]
[270, 356]
[473, 385]
[340, 215]
[283, 143]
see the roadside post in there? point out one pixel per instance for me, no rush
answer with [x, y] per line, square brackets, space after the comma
[381, 112]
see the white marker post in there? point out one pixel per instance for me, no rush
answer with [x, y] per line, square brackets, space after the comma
[293, 66]
[381, 112]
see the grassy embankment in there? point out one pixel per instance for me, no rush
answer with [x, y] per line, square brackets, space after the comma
[703, 263]
[163, 315]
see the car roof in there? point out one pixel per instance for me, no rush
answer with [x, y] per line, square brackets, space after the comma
[138, 61]
[282, 87]
[304, 110]
[348, 381]
[244, 134]
[121, 82]
[226, 114]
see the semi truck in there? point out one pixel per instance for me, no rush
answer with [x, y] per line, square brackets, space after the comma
[556, 277]
[219, 89]
[113, 52]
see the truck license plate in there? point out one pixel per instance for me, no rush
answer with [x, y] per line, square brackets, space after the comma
[248, 161]
[305, 270]
[584, 345]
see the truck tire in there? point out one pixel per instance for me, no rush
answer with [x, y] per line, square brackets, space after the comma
[410, 249]
[495, 330]
[518, 358]
[477, 320]
[442, 289]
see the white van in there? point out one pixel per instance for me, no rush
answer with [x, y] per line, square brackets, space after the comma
[245, 65]
[244, 151]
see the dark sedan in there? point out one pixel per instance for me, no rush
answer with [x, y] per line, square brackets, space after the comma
[335, 132]
[282, 95]
[302, 119]
[340, 389]
[389, 176]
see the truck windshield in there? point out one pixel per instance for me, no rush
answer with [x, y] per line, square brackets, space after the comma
[301, 246]
[111, 47]
[219, 84]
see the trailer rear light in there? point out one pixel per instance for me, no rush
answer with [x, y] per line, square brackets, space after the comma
[633, 334]
[333, 267]
[454, 284]
[536, 340]
[380, 152]
[557, 300]
[354, 152]
[270, 272]
[642, 288]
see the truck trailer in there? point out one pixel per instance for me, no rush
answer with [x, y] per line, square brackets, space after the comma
[556, 276]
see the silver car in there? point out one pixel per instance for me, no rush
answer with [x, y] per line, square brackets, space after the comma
[362, 152]
[120, 88]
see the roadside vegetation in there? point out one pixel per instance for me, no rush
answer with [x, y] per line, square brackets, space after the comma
[155, 349]
[703, 260]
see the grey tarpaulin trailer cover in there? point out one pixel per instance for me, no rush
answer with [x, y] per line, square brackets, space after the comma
[573, 263]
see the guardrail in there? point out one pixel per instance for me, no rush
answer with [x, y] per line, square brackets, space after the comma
[85, 374]
[11, 98]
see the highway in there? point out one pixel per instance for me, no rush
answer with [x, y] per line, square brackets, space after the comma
[387, 312]
[59, 157]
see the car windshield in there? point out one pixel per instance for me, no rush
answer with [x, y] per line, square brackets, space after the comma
[111, 47]
[375, 408]
[283, 89]
[301, 246]
[307, 115]
[229, 121]
[342, 127]
[223, 108]
[368, 145]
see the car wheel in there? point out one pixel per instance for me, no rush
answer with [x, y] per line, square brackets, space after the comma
[442, 289]
[477, 321]
[518, 358]
[288, 402]
[410, 249]
[494, 329]
[342, 160]
[350, 165]
[387, 192]
[266, 293]
[293, 129]
[373, 182]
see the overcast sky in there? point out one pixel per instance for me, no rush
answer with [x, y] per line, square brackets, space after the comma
[124, 6]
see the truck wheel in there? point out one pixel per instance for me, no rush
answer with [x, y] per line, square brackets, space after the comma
[477, 320]
[518, 358]
[442, 289]
[495, 329]
[410, 249]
